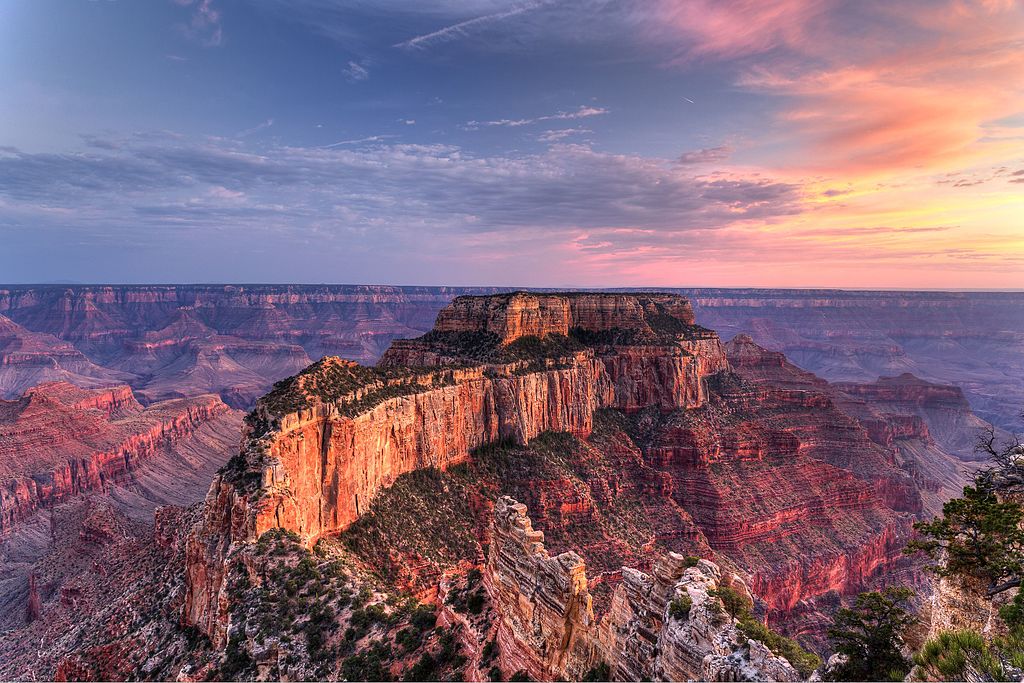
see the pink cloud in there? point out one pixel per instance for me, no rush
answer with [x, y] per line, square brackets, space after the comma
[729, 29]
[868, 87]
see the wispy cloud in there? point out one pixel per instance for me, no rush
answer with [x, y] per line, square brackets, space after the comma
[706, 156]
[204, 26]
[355, 72]
[359, 141]
[255, 129]
[568, 185]
[450, 214]
[866, 88]
[463, 28]
[582, 112]
[559, 134]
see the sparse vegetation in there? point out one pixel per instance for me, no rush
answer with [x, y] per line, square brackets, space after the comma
[803, 661]
[980, 537]
[468, 598]
[327, 619]
[952, 655]
[679, 608]
[870, 635]
[735, 602]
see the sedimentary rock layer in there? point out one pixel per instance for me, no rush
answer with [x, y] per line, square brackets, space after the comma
[59, 440]
[312, 465]
[522, 314]
[546, 624]
[972, 339]
[801, 487]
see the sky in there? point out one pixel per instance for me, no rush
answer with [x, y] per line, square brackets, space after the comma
[547, 143]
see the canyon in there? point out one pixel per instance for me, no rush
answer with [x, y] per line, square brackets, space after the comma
[69, 454]
[236, 340]
[669, 442]
[177, 341]
[655, 457]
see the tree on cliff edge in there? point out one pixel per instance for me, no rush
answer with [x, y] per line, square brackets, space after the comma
[870, 636]
[980, 534]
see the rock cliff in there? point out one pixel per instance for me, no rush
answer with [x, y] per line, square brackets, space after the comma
[58, 441]
[29, 358]
[236, 340]
[546, 624]
[670, 442]
[171, 341]
[970, 339]
[323, 444]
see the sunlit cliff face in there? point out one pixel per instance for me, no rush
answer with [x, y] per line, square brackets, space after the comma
[799, 143]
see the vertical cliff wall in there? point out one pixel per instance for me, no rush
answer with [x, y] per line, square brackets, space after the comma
[321, 445]
[546, 624]
[59, 440]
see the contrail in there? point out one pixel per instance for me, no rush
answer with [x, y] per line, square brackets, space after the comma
[458, 29]
[689, 100]
[372, 138]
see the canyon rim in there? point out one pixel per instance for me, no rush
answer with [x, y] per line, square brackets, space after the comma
[508, 340]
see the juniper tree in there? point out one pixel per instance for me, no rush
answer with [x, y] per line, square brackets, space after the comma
[870, 635]
[980, 534]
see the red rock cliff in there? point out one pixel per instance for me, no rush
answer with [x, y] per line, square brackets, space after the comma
[59, 440]
[322, 445]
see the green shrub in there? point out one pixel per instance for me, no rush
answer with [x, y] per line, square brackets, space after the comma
[490, 650]
[368, 665]
[803, 661]
[1012, 614]
[679, 609]
[409, 638]
[735, 602]
[449, 653]
[423, 670]
[690, 561]
[236, 659]
[424, 617]
[475, 602]
[870, 634]
[495, 673]
[951, 655]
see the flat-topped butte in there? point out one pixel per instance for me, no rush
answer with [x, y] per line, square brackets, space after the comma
[509, 333]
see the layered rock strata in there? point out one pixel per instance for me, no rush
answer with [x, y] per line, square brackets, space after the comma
[59, 440]
[769, 469]
[547, 628]
[172, 341]
[973, 339]
[321, 445]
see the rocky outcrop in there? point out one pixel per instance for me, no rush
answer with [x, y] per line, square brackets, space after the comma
[546, 618]
[322, 446]
[29, 358]
[522, 314]
[322, 464]
[59, 441]
[547, 628]
[915, 408]
[974, 340]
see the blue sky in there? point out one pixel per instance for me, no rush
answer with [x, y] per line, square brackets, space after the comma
[495, 142]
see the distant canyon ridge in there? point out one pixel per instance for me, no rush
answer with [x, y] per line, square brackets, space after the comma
[655, 443]
[180, 341]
